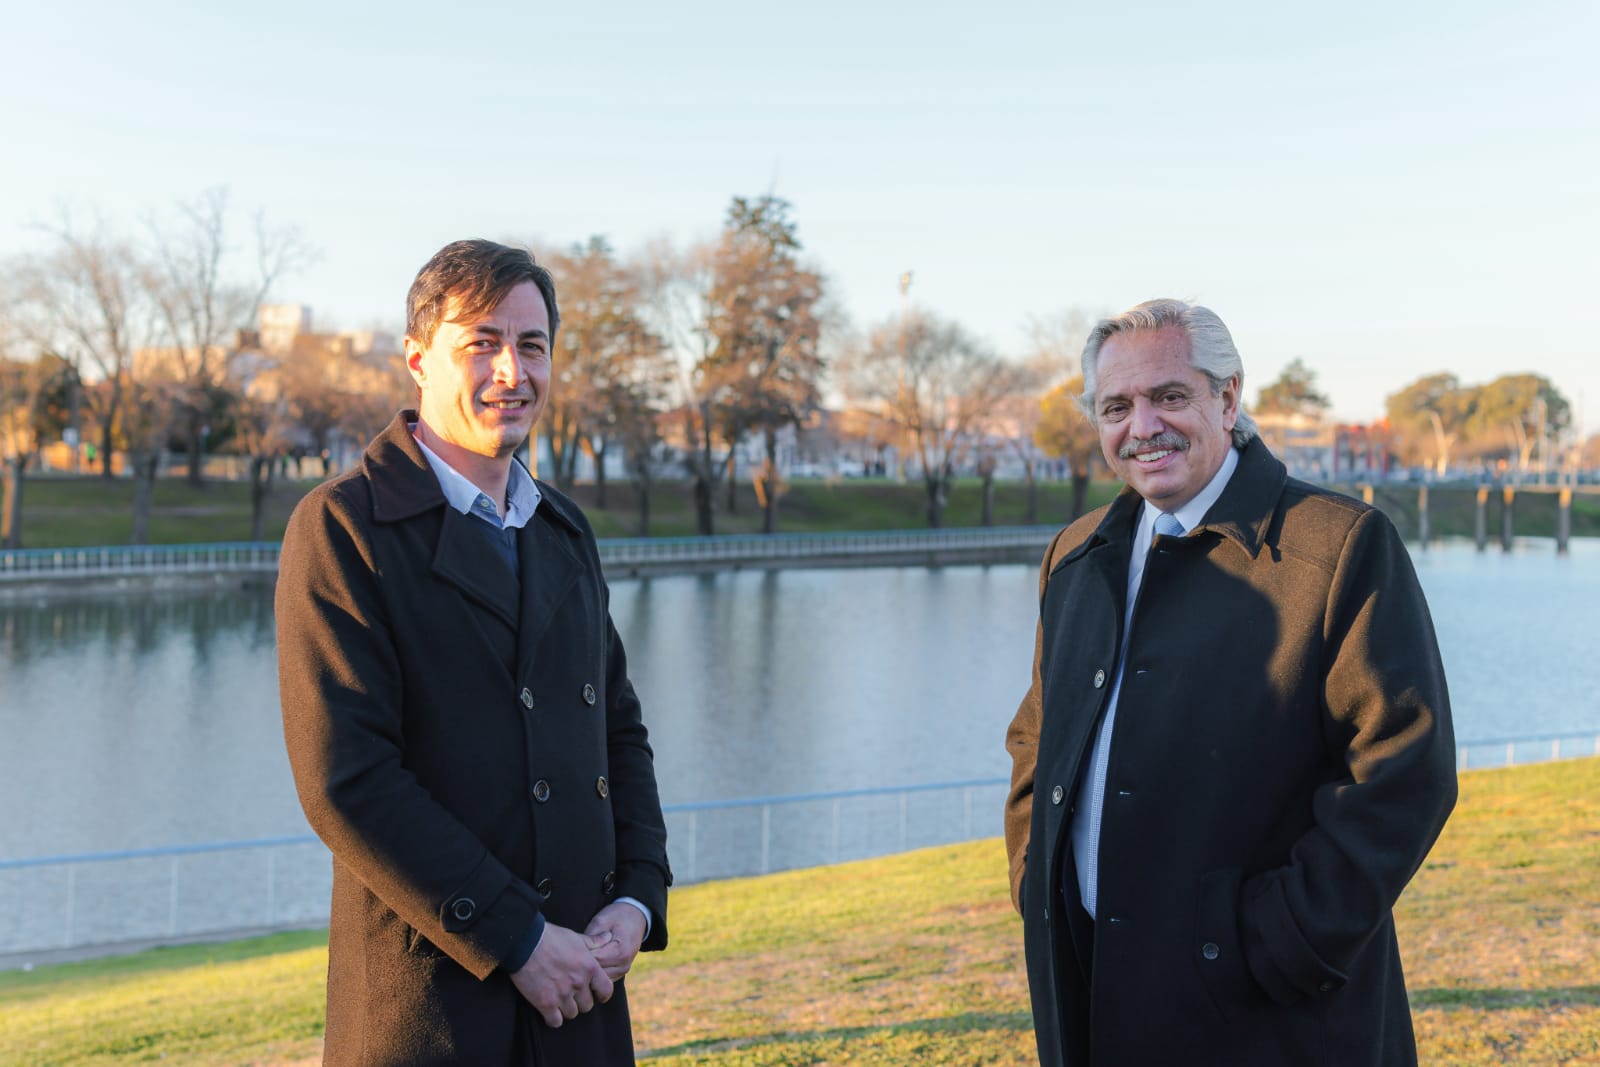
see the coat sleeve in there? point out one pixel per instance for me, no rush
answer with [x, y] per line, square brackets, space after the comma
[341, 688]
[1022, 741]
[1386, 721]
[641, 835]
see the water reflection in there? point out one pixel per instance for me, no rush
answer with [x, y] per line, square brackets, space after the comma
[134, 721]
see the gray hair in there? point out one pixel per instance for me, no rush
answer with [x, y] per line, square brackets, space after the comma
[1211, 352]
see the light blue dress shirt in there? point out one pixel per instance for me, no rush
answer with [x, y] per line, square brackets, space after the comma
[522, 500]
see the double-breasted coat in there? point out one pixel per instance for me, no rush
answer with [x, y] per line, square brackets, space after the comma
[472, 753]
[1281, 762]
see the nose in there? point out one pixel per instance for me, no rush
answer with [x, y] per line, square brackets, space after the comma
[507, 367]
[1145, 422]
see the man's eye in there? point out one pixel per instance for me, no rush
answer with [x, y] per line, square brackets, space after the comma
[1114, 411]
[1172, 399]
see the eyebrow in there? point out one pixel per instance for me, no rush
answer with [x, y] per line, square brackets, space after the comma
[495, 331]
[1175, 383]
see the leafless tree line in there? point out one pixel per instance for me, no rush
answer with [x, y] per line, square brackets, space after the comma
[676, 358]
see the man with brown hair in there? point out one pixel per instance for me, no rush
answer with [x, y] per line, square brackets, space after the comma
[458, 714]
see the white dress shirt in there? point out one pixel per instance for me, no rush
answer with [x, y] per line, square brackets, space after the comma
[1090, 801]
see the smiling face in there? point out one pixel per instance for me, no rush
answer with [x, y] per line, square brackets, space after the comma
[484, 379]
[1161, 428]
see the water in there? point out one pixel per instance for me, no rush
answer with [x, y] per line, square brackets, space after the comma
[151, 721]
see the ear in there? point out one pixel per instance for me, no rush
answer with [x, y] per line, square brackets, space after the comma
[1230, 402]
[414, 352]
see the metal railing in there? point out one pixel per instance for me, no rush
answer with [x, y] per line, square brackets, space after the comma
[89, 899]
[1538, 748]
[103, 899]
[115, 561]
[618, 553]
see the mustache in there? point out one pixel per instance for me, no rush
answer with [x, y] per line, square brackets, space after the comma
[1176, 442]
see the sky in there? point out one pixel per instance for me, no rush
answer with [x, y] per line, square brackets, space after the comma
[1382, 190]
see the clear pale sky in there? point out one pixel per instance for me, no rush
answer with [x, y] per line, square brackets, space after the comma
[1382, 189]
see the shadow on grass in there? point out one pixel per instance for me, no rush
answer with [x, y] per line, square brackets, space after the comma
[955, 1024]
[1506, 999]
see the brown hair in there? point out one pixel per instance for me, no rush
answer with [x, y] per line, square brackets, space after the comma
[476, 275]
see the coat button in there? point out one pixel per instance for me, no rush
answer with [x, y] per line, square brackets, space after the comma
[1210, 951]
[545, 888]
[463, 908]
[541, 790]
[1056, 794]
[1099, 679]
[601, 787]
[588, 694]
[527, 699]
[608, 884]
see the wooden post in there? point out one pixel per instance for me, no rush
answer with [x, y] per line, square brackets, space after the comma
[1480, 532]
[1422, 516]
[1507, 520]
[1563, 519]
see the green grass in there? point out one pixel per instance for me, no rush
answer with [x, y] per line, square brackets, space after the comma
[69, 512]
[914, 958]
[77, 511]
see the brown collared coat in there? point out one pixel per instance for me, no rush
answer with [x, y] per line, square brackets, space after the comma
[1281, 762]
[471, 753]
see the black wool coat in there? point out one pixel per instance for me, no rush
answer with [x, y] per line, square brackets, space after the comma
[1281, 762]
[471, 753]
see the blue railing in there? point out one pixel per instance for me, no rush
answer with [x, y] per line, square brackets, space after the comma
[620, 553]
[74, 900]
[147, 894]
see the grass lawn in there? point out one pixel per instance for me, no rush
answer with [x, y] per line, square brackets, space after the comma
[77, 511]
[69, 512]
[911, 959]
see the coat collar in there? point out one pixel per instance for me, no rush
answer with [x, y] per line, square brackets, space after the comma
[404, 486]
[1243, 513]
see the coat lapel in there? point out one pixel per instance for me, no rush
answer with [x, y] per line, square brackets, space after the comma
[550, 569]
[463, 559]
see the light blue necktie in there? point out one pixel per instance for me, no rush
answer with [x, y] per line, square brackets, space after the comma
[1168, 525]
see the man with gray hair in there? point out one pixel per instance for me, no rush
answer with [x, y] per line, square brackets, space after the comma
[1236, 749]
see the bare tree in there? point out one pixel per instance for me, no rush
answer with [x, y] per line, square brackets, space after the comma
[202, 308]
[605, 349]
[677, 287]
[84, 298]
[935, 382]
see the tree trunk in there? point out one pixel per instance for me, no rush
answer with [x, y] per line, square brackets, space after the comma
[702, 504]
[988, 499]
[106, 440]
[144, 485]
[260, 487]
[643, 484]
[11, 504]
[1080, 493]
[196, 477]
[733, 481]
[769, 485]
[600, 473]
[1032, 517]
[936, 499]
